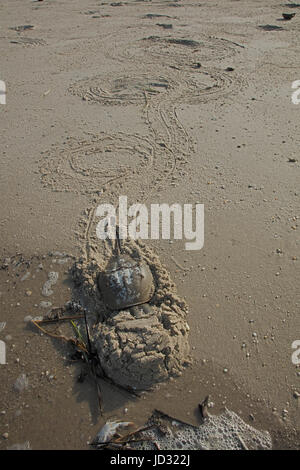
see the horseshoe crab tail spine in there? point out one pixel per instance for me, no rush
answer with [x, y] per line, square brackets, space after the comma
[118, 242]
[87, 334]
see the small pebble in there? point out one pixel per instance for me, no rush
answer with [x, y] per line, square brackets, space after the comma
[45, 304]
[21, 383]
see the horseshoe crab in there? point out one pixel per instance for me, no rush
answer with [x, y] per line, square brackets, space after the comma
[126, 282]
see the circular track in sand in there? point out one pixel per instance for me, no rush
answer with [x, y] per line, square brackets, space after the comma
[205, 84]
[174, 51]
[121, 89]
[88, 166]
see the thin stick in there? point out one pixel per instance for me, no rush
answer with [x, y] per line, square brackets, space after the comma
[113, 446]
[64, 338]
[58, 319]
[133, 433]
[119, 249]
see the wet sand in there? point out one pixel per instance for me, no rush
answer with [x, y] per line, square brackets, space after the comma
[102, 100]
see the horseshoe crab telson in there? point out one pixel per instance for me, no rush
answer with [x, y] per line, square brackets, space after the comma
[126, 282]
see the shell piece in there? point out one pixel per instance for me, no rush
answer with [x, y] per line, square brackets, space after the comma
[126, 282]
[109, 429]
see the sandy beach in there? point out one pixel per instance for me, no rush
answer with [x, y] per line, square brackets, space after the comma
[163, 102]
